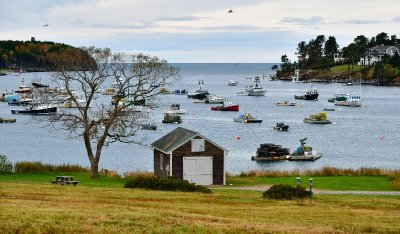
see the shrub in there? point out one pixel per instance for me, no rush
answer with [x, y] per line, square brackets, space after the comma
[5, 165]
[39, 167]
[286, 192]
[168, 184]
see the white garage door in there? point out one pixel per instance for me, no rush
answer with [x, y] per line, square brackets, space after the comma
[198, 170]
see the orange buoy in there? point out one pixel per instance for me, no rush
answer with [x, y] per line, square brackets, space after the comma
[237, 137]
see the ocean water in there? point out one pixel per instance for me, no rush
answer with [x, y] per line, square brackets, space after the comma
[359, 137]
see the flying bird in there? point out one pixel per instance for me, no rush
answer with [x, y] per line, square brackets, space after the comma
[230, 11]
[46, 25]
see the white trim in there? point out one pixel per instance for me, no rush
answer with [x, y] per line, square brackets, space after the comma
[224, 182]
[170, 164]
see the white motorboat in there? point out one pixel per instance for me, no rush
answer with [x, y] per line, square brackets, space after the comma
[175, 109]
[255, 90]
[233, 83]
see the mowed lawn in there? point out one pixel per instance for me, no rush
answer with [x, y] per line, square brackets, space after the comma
[33, 205]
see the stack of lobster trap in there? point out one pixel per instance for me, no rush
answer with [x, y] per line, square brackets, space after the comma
[271, 152]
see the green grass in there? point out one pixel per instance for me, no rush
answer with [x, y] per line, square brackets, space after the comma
[344, 68]
[366, 183]
[45, 178]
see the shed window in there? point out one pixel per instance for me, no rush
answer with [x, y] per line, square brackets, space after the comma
[198, 145]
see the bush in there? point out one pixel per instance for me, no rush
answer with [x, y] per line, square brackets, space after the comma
[5, 165]
[168, 184]
[39, 167]
[286, 192]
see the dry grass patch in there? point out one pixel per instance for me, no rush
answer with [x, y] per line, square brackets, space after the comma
[36, 208]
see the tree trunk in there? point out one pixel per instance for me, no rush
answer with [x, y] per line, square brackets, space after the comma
[94, 169]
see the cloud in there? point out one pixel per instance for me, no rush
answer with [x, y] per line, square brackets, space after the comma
[140, 25]
[303, 21]
[359, 22]
[181, 18]
[231, 28]
[396, 19]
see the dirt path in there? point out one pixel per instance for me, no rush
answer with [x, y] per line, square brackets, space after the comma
[262, 188]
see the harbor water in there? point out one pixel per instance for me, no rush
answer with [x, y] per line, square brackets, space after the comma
[366, 136]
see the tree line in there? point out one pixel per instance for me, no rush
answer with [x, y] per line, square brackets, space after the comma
[318, 54]
[33, 54]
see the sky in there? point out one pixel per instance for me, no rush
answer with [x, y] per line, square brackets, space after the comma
[198, 31]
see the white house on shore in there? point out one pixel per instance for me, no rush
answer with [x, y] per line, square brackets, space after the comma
[376, 54]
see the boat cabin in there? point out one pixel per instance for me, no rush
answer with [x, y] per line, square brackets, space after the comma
[185, 154]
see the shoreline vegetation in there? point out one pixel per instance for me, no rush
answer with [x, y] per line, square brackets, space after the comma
[374, 61]
[36, 56]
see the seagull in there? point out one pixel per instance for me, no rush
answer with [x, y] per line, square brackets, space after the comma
[46, 25]
[230, 11]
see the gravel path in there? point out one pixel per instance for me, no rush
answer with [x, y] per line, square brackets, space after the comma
[262, 188]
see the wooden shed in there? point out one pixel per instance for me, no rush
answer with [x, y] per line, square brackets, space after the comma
[185, 154]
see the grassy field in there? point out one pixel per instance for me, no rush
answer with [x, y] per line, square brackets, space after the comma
[30, 204]
[344, 68]
[365, 183]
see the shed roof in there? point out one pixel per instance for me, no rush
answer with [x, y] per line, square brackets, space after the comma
[176, 138]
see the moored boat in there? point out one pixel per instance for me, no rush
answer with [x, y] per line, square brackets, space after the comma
[7, 120]
[23, 88]
[285, 103]
[175, 109]
[181, 92]
[36, 110]
[69, 103]
[9, 98]
[349, 100]
[212, 99]
[200, 93]
[247, 118]
[21, 102]
[171, 118]
[338, 96]
[319, 118]
[281, 126]
[226, 106]
[233, 83]
[328, 109]
[256, 89]
[309, 94]
[304, 153]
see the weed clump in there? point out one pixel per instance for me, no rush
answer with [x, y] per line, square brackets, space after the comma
[167, 184]
[286, 192]
[5, 165]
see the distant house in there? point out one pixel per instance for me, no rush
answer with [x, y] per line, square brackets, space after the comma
[187, 155]
[376, 54]
[338, 57]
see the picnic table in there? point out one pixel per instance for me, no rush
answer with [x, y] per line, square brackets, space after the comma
[64, 180]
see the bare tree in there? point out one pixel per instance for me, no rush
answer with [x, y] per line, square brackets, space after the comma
[136, 78]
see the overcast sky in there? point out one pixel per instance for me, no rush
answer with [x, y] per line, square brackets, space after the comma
[198, 30]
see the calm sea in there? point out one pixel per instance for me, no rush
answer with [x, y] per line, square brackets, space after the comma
[359, 137]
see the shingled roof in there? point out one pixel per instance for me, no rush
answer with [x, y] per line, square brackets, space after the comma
[173, 139]
[176, 138]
